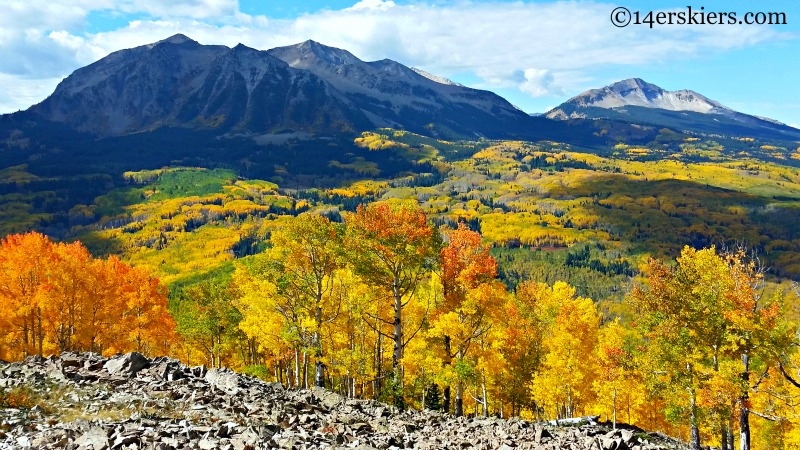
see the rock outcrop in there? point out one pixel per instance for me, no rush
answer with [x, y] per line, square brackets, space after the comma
[84, 401]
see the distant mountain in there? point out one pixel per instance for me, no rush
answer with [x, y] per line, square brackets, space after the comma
[637, 101]
[307, 87]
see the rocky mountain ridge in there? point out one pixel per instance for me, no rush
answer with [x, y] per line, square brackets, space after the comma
[308, 87]
[180, 83]
[128, 401]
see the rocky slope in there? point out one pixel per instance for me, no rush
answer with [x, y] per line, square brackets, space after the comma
[83, 401]
[398, 96]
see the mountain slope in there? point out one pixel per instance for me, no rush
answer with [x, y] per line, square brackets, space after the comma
[178, 82]
[637, 101]
[307, 87]
[397, 96]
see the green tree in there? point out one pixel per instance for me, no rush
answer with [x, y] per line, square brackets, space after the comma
[207, 318]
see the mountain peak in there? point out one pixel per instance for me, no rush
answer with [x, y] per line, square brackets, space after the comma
[634, 83]
[176, 39]
[634, 100]
[306, 86]
[309, 43]
[241, 47]
[637, 92]
[310, 52]
[436, 78]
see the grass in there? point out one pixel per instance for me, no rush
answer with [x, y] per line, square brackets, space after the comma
[19, 397]
[68, 403]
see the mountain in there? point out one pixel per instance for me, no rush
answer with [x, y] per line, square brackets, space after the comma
[394, 95]
[308, 87]
[637, 101]
[179, 83]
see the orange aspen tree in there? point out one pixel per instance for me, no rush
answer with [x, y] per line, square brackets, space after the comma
[392, 246]
[464, 314]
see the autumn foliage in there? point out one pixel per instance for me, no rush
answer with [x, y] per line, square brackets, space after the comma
[56, 297]
[385, 305]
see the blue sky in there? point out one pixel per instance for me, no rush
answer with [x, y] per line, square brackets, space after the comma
[536, 54]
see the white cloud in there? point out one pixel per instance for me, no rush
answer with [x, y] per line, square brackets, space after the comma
[25, 91]
[537, 48]
[375, 5]
[538, 83]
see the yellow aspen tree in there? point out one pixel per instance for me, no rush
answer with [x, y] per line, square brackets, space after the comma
[24, 260]
[708, 326]
[563, 383]
[308, 250]
[618, 387]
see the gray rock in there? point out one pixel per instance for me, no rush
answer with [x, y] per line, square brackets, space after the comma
[627, 436]
[95, 438]
[224, 380]
[127, 365]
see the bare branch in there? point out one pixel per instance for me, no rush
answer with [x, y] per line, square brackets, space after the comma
[766, 416]
[787, 376]
[375, 327]
[760, 379]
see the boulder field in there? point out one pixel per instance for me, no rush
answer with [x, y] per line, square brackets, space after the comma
[85, 401]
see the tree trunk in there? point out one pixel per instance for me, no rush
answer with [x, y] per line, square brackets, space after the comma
[744, 412]
[483, 394]
[397, 354]
[377, 385]
[25, 336]
[694, 441]
[614, 401]
[305, 369]
[569, 403]
[211, 356]
[459, 406]
[446, 363]
[219, 349]
[460, 386]
[39, 330]
[730, 430]
[296, 368]
[723, 436]
[319, 373]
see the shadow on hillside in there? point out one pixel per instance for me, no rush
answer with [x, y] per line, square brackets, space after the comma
[664, 215]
